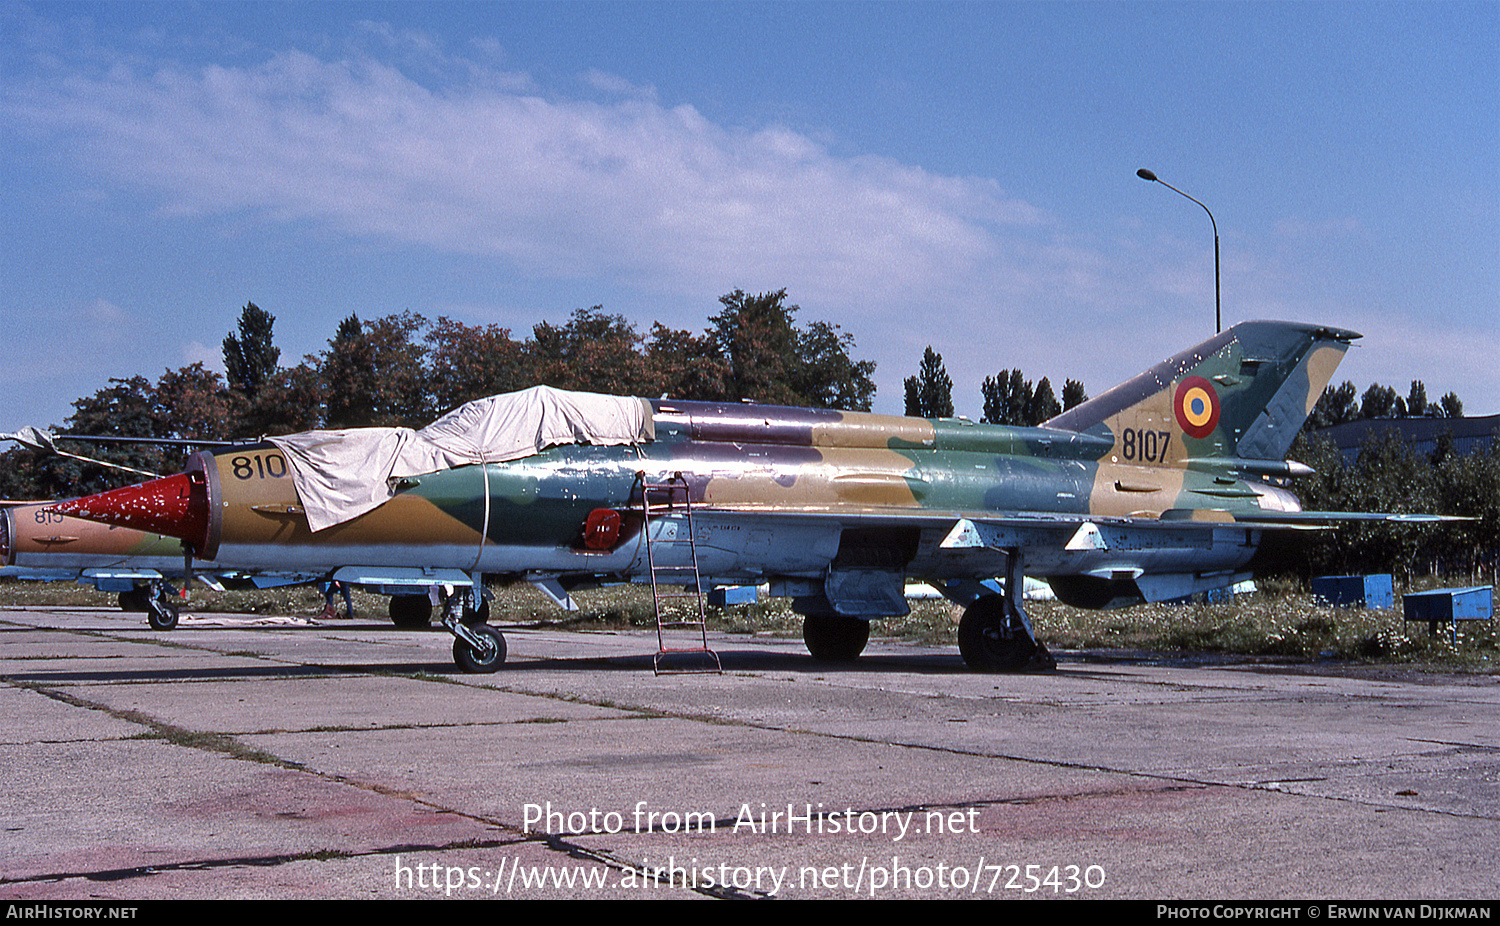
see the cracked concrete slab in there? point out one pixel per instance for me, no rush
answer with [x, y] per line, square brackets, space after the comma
[239, 758]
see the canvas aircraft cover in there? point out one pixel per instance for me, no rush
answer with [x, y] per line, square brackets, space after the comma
[342, 474]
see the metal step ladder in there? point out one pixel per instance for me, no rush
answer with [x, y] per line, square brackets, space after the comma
[658, 498]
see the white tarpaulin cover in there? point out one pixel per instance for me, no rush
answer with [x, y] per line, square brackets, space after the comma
[340, 475]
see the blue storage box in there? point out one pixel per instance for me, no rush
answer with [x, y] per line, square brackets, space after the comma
[1356, 591]
[726, 595]
[1450, 604]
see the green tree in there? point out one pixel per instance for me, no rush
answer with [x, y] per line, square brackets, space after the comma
[1334, 406]
[194, 403]
[292, 400]
[1469, 485]
[929, 394]
[127, 408]
[1008, 398]
[373, 373]
[1378, 402]
[756, 336]
[250, 358]
[593, 352]
[682, 365]
[826, 376]
[1043, 404]
[1073, 394]
[468, 362]
[1415, 405]
[1386, 477]
[771, 360]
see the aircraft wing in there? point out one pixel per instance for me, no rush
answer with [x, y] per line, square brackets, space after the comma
[1022, 522]
[1089, 560]
[1295, 519]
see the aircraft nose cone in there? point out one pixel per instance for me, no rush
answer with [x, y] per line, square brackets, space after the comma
[176, 506]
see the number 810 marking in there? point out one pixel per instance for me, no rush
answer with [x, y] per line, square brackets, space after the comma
[259, 467]
[1141, 444]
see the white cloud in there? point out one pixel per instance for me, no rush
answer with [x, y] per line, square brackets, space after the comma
[656, 196]
[643, 197]
[618, 86]
[212, 358]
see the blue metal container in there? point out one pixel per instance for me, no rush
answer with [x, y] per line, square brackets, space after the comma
[726, 595]
[1450, 604]
[1374, 591]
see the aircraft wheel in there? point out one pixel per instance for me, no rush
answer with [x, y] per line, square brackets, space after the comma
[410, 611]
[834, 637]
[990, 640]
[480, 663]
[161, 614]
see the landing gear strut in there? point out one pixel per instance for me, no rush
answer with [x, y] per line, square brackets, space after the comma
[484, 657]
[477, 647]
[157, 599]
[994, 634]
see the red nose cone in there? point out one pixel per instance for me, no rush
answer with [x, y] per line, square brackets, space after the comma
[176, 506]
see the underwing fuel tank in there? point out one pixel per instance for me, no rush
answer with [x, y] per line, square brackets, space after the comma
[1162, 486]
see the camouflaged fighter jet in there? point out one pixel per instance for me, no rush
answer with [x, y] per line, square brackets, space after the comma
[43, 545]
[1166, 485]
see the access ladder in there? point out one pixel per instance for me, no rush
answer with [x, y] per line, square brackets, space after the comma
[656, 499]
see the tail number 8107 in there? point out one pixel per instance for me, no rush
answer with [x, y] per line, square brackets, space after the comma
[1140, 444]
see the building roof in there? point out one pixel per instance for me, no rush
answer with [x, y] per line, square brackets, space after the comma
[1469, 434]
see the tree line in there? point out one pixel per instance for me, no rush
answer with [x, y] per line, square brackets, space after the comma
[1339, 405]
[1387, 474]
[1009, 397]
[404, 370]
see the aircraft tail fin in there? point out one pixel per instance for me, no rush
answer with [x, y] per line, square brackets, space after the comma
[1244, 393]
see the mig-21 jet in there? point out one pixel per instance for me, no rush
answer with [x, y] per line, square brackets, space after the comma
[1169, 484]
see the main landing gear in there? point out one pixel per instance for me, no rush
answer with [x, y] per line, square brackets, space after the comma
[410, 611]
[994, 634]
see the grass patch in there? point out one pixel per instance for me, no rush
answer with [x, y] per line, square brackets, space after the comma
[1278, 624]
[1282, 623]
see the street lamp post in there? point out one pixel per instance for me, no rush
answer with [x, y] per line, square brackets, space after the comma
[1145, 174]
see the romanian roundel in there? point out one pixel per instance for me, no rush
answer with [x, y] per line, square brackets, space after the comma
[1197, 406]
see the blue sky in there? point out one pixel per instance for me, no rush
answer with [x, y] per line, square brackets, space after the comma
[959, 175]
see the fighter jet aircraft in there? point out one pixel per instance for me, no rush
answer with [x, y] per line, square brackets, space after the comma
[1166, 485]
[37, 543]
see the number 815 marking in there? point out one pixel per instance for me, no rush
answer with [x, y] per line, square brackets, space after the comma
[1141, 444]
[258, 467]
